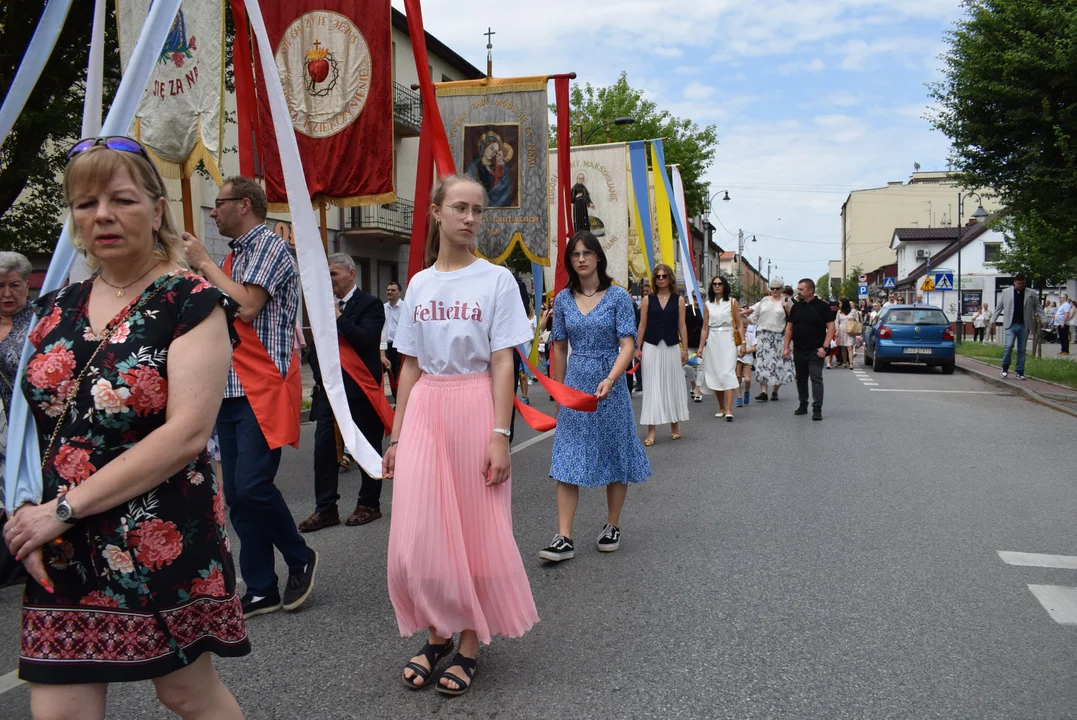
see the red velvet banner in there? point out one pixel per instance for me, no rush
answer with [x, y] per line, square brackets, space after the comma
[246, 99]
[335, 58]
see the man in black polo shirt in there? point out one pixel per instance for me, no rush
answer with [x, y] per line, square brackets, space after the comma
[810, 329]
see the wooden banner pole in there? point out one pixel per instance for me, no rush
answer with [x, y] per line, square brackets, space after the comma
[325, 229]
[188, 206]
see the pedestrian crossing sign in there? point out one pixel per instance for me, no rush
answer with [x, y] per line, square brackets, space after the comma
[889, 283]
[944, 281]
[928, 285]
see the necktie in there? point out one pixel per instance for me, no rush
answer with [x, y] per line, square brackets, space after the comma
[340, 304]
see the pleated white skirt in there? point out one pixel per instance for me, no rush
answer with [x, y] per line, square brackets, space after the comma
[664, 398]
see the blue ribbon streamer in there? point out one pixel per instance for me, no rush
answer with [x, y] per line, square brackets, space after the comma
[637, 156]
[686, 252]
[33, 63]
[22, 478]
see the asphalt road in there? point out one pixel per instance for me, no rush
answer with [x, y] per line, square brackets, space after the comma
[772, 567]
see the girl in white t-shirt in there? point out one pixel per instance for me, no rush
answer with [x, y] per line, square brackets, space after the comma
[453, 562]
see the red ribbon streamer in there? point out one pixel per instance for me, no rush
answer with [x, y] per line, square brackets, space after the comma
[632, 370]
[352, 364]
[424, 178]
[564, 171]
[442, 152]
[564, 395]
[246, 103]
[537, 419]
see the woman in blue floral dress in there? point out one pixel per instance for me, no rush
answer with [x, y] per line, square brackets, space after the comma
[597, 320]
[131, 577]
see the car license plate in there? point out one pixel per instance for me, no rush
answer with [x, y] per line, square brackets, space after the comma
[917, 351]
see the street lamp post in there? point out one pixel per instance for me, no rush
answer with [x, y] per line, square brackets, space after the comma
[707, 210]
[606, 124]
[978, 215]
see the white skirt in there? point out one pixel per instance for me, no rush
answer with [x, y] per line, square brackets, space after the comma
[720, 360]
[664, 398]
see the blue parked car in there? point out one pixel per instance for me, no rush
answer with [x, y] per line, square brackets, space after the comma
[911, 334]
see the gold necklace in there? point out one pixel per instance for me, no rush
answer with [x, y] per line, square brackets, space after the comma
[121, 291]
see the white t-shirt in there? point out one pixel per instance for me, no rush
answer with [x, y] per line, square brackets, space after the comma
[453, 322]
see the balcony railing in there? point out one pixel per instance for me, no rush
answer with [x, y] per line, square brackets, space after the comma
[407, 107]
[393, 218]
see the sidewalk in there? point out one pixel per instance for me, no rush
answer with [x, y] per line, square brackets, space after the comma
[1057, 397]
[1050, 350]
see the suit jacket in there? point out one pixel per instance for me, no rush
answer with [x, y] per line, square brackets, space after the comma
[1005, 308]
[360, 323]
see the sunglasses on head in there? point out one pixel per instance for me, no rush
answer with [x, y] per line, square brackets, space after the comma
[112, 142]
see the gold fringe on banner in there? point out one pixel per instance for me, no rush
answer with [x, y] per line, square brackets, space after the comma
[517, 239]
[490, 86]
[346, 202]
[186, 169]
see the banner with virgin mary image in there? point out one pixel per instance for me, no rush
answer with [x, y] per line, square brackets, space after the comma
[498, 130]
[600, 202]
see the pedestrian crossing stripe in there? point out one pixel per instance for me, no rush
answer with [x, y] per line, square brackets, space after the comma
[928, 285]
[943, 283]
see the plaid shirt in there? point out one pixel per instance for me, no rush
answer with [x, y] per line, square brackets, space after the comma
[261, 258]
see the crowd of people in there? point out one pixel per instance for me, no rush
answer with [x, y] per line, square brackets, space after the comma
[163, 388]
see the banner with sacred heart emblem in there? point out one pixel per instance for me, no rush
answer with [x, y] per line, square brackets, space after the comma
[335, 63]
[600, 202]
[180, 119]
[498, 131]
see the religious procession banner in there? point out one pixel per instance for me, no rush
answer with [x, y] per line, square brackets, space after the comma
[180, 119]
[334, 58]
[600, 203]
[498, 131]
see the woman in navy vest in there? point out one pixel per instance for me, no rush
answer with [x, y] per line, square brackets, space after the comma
[663, 354]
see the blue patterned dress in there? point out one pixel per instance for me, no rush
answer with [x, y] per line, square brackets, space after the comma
[596, 449]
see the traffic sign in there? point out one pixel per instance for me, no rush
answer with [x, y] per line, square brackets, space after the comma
[862, 291]
[889, 283]
[944, 281]
[863, 279]
[928, 284]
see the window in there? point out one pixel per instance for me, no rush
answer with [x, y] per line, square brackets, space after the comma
[918, 316]
[992, 252]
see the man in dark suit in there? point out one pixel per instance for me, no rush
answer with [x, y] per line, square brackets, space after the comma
[360, 317]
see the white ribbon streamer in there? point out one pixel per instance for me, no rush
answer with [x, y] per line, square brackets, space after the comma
[33, 63]
[22, 479]
[686, 245]
[313, 266]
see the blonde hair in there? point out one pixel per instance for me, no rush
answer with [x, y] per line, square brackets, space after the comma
[433, 231]
[94, 168]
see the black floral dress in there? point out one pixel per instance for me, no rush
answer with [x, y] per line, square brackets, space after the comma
[145, 588]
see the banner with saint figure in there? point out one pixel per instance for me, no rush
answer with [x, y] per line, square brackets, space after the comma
[600, 202]
[498, 130]
[180, 119]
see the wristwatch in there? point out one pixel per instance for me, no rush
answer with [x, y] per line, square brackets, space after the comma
[504, 431]
[64, 513]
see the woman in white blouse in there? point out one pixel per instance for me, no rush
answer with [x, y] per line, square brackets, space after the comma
[771, 369]
[717, 346]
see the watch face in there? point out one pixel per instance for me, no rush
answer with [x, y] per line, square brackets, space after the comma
[63, 511]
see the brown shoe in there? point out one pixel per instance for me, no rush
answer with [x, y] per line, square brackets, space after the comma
[362, 516]
[320, 520]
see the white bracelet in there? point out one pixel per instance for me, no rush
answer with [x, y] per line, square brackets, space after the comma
[503, 431]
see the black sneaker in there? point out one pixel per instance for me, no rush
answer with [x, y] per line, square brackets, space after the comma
[802, 409]
[817, 414]
[300, 583]
[264, 606]
[610, 539]
[561, 548]
[1020, 376]
[761, 397]
[774, 396]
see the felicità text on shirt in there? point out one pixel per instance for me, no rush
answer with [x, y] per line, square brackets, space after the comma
[438, 310]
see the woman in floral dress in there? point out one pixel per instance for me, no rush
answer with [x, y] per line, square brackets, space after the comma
[131, 574]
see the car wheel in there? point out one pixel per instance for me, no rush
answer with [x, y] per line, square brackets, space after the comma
[867, 359]
[878, 365]
[948, 368]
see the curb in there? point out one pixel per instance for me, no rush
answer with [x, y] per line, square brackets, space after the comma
[993, 379]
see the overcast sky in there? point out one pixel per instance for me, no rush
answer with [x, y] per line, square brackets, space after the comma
[812, 98]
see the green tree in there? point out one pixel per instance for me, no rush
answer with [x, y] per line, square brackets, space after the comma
[685, 143]
[33, 156]
[1008, 103]
[848, 286]
[822, 285]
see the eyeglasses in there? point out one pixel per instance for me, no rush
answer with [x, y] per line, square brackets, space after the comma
[460, 211]
[662, 276]
[582, 255]
[220, 201]
[717, 283]
[112, 142]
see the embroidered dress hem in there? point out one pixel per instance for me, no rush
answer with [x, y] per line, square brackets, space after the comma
[664, 398]
[453, 563]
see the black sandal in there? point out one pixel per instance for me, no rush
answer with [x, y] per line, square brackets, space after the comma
[433, 654]
[469, 665]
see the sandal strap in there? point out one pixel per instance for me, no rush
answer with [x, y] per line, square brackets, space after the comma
[434, 653]
[467, 664]
[419, 671]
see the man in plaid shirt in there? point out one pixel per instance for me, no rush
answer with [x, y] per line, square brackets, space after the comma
[264, 283]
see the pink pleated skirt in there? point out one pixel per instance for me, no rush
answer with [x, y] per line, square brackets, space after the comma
[453, 561]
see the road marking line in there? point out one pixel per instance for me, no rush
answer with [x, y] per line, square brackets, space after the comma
[1063, 562]
[1059, 602]
[951, 392]
[867, 384]
[10, 681]
[532, 441]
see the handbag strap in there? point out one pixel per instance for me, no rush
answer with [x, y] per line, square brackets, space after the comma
[109, 332]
